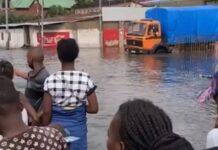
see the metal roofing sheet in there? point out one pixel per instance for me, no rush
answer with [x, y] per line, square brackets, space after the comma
[21, 3]
[47, 3]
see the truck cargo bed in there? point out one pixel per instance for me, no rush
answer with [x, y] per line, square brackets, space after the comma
[182, 25]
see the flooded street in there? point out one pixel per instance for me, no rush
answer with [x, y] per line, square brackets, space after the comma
[170, 81]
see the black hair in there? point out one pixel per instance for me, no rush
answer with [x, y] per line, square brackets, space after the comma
[8, 93]
[144, 126]
[68, 50]
[6, 69]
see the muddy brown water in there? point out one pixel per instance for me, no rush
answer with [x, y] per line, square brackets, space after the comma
[170, 81]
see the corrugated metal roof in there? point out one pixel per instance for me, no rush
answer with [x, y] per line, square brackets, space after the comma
[51, 22]
[47, 3]
[21, 3]
[31, 24]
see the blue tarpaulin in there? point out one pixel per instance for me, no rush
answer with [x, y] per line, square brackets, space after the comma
[187, 24]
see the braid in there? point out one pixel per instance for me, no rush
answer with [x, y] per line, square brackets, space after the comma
[6, 69]
[143, 126]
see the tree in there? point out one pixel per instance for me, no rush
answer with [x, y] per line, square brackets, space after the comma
[56, 11]
[84, 3]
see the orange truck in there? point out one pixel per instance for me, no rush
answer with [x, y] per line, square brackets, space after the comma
[171, 26]
[145, 36]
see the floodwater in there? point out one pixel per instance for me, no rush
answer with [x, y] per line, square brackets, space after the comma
[170, 81]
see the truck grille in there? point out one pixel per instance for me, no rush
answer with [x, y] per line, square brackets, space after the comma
[134, 43]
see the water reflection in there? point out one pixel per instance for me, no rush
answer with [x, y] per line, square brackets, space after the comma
[111, 53]
[170, 81]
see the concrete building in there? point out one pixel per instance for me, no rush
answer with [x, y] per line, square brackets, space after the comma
[85, 30]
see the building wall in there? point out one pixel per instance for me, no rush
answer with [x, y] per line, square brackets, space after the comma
[16, 38]
[211, 2]
[190, 3]
[33, 11]
[86, 33]
[51, 36]
[175, 3]
[183, 3]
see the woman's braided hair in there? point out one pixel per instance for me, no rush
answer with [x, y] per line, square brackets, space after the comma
[144, 126]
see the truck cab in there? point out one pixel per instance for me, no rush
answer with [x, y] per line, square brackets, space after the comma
[144, 36]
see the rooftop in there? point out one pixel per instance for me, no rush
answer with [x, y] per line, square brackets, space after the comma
[24, 4]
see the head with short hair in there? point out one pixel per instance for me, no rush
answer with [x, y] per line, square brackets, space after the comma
[68, 50]
[140, 125]
[9, 98]
[35, 56]
[6, 69]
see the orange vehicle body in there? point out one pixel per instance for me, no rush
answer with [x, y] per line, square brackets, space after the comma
[147, 40]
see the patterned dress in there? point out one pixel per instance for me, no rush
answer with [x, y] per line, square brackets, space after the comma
[35, 138]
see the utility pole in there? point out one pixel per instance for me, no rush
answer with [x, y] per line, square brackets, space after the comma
[100, 22]
[7, 28]
[42, 24]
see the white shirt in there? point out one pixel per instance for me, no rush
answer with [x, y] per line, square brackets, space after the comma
[24, 116]
[212, 138]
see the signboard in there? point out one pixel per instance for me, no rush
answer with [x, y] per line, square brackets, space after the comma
[111, 37]
[123, 13]
[51, 38]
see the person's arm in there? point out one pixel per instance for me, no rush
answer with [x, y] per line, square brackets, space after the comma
[47, 109]
[21, 74]
[30, 110]
[92, 106]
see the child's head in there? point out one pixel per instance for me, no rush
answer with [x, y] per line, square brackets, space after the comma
[6, 69]
[140, 125]
[35, 56]
[68, 50]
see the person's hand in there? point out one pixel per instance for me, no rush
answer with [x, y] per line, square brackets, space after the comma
[17, 72]
[35, 120]
[40, 114]
[20, 73]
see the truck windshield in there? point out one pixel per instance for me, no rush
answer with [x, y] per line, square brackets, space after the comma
[137, 29]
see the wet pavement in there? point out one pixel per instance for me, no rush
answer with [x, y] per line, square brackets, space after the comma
[170, 81]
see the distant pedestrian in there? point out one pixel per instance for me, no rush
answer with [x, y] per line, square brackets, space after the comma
[214, 91]
[18, 136]
[69, 95]
[35, 78]
[140, 125]
[7, 70]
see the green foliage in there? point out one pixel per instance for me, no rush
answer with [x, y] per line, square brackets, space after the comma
[84, 3]
[14, 19]
[56, 11]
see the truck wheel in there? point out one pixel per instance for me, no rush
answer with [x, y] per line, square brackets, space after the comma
[161, 50]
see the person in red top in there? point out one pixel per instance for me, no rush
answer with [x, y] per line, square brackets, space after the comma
[17, 135]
